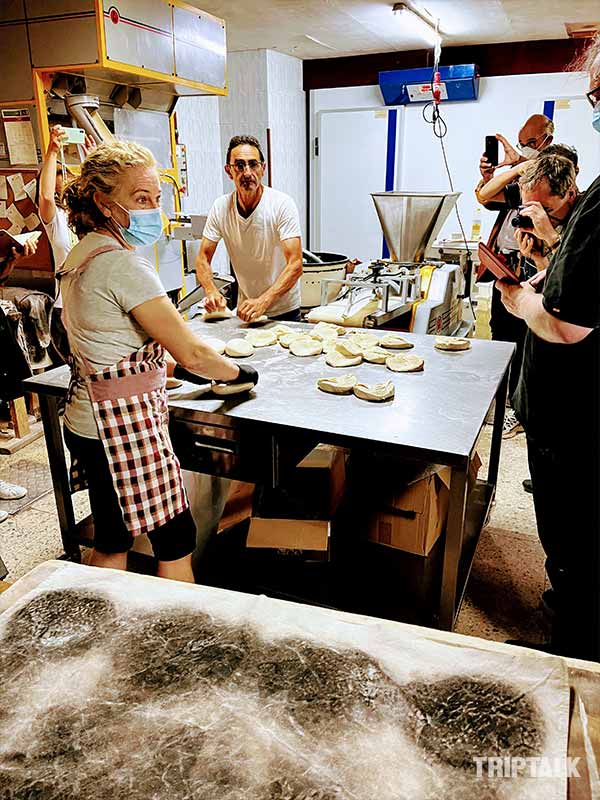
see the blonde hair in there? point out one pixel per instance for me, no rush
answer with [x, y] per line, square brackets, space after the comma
[100, 172]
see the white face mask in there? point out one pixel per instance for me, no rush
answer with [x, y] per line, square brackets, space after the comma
[531, 152]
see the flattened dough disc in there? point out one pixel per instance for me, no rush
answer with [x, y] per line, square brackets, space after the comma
[375, 355]
[363, 339]
[216, 344]
[288, 338]
[174, 383]
[239, 348]
[306, 347]
[395, 342]
[348, 348]
[375, 392]
[404, 363]
[335, 359]
[325, 330]
[342, 385]
[231, 388]
[213, 316]
[451, 343]
[282, 330]
[262, 338]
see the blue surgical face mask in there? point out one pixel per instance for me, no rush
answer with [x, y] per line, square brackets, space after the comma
[596, 117]
[145, 227]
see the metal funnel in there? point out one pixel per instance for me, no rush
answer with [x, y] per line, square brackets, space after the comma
[410, 221]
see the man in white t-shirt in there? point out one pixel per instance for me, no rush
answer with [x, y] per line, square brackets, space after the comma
[261, 230]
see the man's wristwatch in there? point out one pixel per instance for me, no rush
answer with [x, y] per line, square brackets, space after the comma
[557, 242]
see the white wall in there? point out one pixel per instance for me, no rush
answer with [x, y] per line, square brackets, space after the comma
[503, 105]
[287, 121]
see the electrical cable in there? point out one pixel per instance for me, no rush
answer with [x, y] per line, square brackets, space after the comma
[440, 130]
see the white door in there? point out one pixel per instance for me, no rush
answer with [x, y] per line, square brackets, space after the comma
[357, 154]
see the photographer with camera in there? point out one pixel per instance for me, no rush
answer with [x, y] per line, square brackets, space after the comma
[501, 193]
[558, 395]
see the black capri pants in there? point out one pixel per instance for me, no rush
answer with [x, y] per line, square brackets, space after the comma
[175, 539]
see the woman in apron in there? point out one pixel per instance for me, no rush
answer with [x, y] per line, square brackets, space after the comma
[120, 323]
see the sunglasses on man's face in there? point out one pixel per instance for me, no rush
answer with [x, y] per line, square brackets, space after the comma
[239, 165]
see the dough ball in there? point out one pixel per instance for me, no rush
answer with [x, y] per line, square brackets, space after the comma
[259, 320]
[375, 392]
[342, 385]
[375, 355]
[363, 339]
[224, 389]
[348, 348]
[306, 346]
[262, 338]
[239, 348]
[405, 363]
[213, 316]
[451, 343]
[395, 342]
[336, 359]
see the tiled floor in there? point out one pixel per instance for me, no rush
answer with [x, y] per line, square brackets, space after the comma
[505, 584]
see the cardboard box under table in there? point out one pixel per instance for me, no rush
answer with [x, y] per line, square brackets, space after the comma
[413, 516]
[412, 507]
[296, 519]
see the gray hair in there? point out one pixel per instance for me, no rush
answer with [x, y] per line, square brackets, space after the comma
[557, 171]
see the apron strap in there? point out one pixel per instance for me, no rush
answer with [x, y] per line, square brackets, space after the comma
[79, 270]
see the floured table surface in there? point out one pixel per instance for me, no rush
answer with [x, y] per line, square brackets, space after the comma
[116, 685]
[436, 412]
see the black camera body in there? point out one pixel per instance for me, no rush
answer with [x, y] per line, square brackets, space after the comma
[521, 221]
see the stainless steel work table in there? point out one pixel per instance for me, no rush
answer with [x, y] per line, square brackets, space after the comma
[437, 416]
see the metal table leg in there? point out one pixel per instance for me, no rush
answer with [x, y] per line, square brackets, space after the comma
[60, 475]
[454, 546]
[499, 412]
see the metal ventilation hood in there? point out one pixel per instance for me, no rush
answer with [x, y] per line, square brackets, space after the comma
[410, 221]
[144, 53]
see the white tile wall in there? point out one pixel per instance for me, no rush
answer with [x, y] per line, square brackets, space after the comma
[287, 121]
[198, 125]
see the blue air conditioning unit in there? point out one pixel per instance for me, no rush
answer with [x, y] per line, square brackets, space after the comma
[401, 87]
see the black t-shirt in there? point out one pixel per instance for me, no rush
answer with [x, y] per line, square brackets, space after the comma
[558, 396]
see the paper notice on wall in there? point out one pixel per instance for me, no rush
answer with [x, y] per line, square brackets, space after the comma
[16, 218]
[3, 188]
[19, 136]
[17, 185]
[2, 209]
[30, 190]
[32, 222]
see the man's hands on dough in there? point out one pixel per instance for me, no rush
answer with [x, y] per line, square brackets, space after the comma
[214, 301]
[250, 310]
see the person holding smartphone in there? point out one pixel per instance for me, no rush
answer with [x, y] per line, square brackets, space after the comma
[535, 135]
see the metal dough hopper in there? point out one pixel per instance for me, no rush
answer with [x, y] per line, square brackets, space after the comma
[410, 221]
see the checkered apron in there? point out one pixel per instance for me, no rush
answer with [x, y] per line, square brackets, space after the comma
[129, 401]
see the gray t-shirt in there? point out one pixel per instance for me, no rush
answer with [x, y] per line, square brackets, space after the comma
[99, 323]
